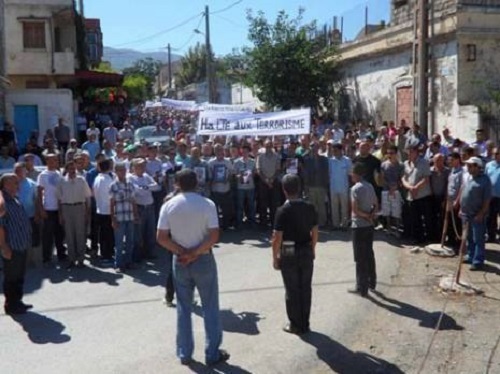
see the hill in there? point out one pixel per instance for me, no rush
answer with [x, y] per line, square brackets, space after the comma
[121, 58]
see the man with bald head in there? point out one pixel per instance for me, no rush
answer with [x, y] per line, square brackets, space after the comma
[15, 241]
[439, 186]
[371, 165]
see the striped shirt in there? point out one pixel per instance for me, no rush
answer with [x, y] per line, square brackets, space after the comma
[16, 224]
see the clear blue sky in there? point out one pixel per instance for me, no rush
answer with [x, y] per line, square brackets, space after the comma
[144, 24]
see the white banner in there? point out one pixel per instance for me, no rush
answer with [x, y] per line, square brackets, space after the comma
[291, 122]
[179, 104]
[246, 108]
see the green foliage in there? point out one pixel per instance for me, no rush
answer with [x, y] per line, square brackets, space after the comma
[136, 86]
[193, 66]
[104, 67]
[288, 65]
[234, 66]
[149, 69]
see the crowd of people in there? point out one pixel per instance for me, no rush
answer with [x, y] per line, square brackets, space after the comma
[109, 187]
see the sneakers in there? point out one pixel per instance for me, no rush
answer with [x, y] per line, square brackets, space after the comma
[476, 267]
[223, 357]
[355, 291]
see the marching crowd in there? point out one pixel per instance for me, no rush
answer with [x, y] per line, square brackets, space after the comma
[110, 190]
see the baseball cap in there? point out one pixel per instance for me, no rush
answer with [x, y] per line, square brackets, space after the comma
[475, 160]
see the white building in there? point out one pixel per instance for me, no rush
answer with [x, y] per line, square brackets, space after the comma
[40, 54]
[465, 67]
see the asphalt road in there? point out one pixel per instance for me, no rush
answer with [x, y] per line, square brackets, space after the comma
[96, 321]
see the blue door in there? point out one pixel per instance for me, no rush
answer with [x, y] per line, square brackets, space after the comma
[25, 121]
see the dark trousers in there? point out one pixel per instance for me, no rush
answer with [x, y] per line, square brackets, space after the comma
[169, 284]
[493, 219]
[437, 208]
[94, 237]
[35, 233]
[53, 232]
[421, 221]
[13, 278]
[269, 198]
[106, 236]
[366, 273]
[297, 274]
[225, 203]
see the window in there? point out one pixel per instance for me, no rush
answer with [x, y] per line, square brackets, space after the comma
[92, 53]
[471, 52]
[34, 35]
[92, 38]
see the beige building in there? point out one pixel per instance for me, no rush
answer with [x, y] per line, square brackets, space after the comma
[464, 74]
[40, 60]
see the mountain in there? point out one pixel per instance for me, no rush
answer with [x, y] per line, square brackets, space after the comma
[121, 58]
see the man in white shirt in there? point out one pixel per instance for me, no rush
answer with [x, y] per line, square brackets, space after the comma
[220, 171]
[110, 133]
[105, 232]
[126, 133]
[144, 186]
[188, 227]
[48, 180]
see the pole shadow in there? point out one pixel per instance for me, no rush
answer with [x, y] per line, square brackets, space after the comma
[344, 361]
[42, 329]
[240, 323]
[425, 318]
[223, 368]
[492, 256]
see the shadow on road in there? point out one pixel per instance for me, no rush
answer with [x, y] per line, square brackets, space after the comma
[240, 323]
[427, 319]
[42, 329]
[199, 368]
[344, 361]
[492, 256]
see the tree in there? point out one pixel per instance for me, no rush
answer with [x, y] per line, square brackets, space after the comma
[288, 65]
[149, 69]
[136, 86]
[193, 66]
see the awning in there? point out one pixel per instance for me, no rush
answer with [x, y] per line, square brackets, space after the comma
[98, 79]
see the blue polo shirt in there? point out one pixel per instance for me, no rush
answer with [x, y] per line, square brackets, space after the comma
[493, 171]
[474, 193]
[26, 195]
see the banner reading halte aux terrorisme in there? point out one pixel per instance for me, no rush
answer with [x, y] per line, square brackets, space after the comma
[289, 122]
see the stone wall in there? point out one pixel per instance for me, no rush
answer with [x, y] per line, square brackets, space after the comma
[405, 11]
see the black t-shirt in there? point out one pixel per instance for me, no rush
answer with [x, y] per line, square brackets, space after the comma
[372, 165]
[296, 219]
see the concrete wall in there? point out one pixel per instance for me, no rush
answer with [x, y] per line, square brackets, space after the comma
[372, 83]
[38, 61]
[52, 104]
[242, 94]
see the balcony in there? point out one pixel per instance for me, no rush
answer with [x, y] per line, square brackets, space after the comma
[40, 63]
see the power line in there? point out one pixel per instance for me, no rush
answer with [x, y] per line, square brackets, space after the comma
[183, 23]
[230, 21]
[228, 7]
[193, 34]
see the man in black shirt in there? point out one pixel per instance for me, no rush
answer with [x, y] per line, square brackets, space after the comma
[294, 241]
[371, 166]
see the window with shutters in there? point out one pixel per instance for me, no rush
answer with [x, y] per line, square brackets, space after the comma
[34, 35]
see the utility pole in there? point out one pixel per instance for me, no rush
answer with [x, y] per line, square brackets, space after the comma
[423, 66]
[210, 78]
[169, 68]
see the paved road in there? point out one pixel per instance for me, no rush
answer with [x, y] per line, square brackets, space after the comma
[95, 321]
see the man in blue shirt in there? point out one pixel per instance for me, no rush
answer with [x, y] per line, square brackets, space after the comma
[474, 204]
[15, 240]
[92, 146]
[492, 170]
[339, 169]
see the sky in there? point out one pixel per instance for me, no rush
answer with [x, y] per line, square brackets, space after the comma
[149, 25]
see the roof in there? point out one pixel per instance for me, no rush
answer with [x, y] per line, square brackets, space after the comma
[99, 79]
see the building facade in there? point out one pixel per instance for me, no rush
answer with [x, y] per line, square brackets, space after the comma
[464, 50]
[93, 38]
[40, 59]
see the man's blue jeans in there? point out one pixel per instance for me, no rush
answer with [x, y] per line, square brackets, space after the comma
[124, 251]
[249, 196]
[145, 232]
[475, 241]
[201, 274]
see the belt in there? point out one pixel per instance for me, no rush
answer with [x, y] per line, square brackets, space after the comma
[74, 204]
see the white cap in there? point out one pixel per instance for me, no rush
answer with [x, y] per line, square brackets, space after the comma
[475, 160]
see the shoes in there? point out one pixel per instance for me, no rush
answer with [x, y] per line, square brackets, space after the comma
[118, 270]
[356, 291]
[223, 357]
[466, 260]
[15, 310]
[288, 328]
[372, 287]
[186, 361]
[80, 265]
[476, 267]
[169, 303]
[26, 306]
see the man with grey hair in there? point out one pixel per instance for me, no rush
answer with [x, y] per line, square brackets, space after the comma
[15, 241]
